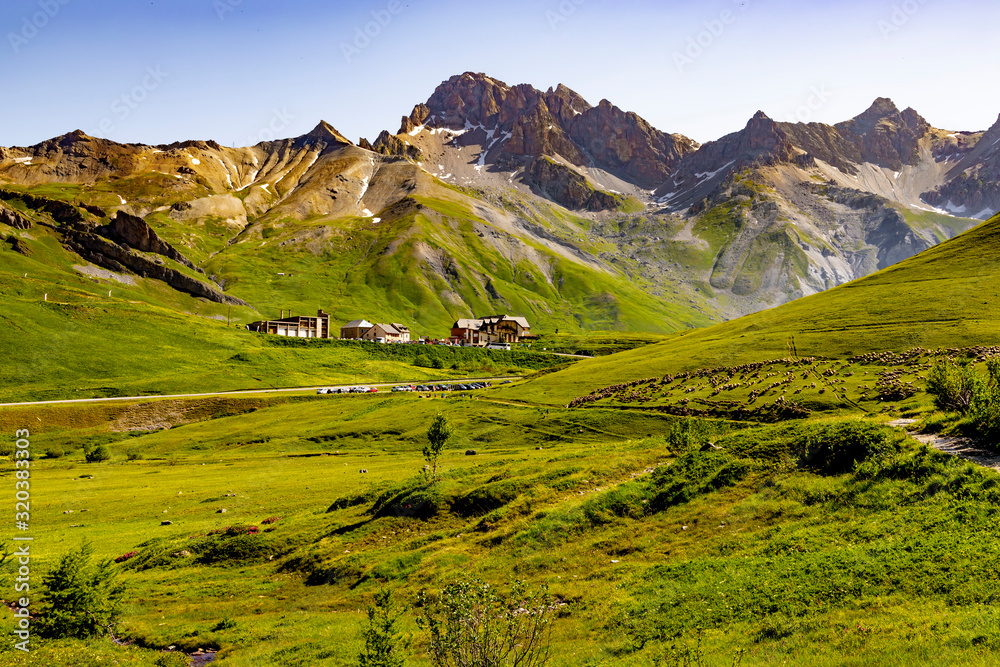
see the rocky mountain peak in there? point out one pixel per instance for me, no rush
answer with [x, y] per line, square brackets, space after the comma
[915, 121]
[326, 132]
[883, 135]
[880, 108]
[470, 97]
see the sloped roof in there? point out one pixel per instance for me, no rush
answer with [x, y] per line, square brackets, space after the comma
[400, 327]
[468, 324]
[496, 319]
[358, 324]
[388, 328]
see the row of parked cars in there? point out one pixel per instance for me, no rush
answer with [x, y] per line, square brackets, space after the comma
[348, 390]
[453, 387]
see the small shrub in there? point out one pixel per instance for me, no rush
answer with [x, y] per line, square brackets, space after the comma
[687, 434]
[840, 448]
[985, 407]
[54, 453]
[383, 645]
[225, 624]
[269, 520]
[97, 454]
[127, 556]
[953, 385]
[472, 623]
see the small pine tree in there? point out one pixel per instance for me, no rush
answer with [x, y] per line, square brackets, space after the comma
[383, 645]
[438, 435]
[80, 600]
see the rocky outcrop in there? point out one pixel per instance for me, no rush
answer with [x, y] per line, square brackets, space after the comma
[134, 232]
[110, 255]
[566, 187]
[12, 218]
[18, 246]
[60, 211]
[973, 185]
[416, 118]
[625, 144]
[388, 144]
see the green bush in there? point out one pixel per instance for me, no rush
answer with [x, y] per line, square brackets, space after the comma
[841, 447]
[472, 623]
[953, 385]
[985, 407]
[686, 434]
[97, 454]
[79, 600]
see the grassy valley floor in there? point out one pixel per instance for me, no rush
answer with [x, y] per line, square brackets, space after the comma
[768, 542]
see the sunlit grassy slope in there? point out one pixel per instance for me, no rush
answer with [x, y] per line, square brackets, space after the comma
[432, 266]
[755, 545]
[946, 296]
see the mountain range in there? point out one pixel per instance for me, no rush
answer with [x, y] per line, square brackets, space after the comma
[498, 198]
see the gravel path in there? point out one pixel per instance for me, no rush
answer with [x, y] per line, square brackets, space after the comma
[955, 446]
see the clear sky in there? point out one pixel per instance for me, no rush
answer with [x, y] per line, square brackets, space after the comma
[238, 71]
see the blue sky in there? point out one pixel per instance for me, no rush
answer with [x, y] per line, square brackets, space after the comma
[238, 71]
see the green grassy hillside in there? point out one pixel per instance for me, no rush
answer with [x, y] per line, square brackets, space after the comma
[147, 339]
[773, 545]
[943, 297]
[431, 265]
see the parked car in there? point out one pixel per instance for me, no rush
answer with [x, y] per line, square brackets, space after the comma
[404, 387]
[358, 390]
[371, 390]
[322, 391]
[421, 387]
